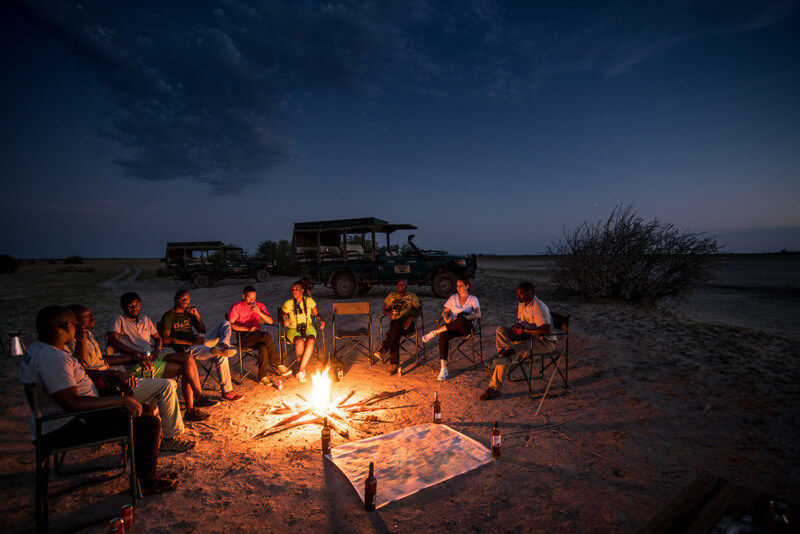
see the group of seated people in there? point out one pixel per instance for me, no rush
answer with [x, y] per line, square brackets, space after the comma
[529, 333]
[67, 363]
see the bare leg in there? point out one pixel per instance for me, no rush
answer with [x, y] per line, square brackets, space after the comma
[188, 370]
[307, 353]
[175, 370]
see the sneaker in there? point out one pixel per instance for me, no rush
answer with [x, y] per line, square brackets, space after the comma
[489, 394]
[427, 337]
[380, 354]
[176, 445]
[301, 376]
[231, 396]
[266, 381]
[283, 370]
[195, 415]
[225, 353]
[393, 369]
[205, 402]
[443, 374]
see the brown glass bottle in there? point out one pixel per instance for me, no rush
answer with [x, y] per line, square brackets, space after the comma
[496, 441]
[326, 437]
[370, 489]
[437, 408]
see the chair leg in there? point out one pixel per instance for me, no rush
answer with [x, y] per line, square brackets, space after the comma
[42, 491]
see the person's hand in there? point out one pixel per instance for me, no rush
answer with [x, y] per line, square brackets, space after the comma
[80, 332]
[321, 324]
[408, 323]
[252, 329]
[133, 406]
[517, 330]
[192, 310]
[199, 340]
[144, 361]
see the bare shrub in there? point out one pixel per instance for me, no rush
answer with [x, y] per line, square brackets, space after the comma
[625, 257]
[8, 264]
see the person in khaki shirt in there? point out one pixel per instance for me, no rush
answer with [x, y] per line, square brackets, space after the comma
[403, 307]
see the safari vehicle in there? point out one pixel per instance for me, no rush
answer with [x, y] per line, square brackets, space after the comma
[205, 262]
[344, 254]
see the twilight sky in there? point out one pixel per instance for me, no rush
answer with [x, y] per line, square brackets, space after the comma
[491, 125]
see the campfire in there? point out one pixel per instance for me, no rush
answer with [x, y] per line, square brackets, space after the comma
[320, 406]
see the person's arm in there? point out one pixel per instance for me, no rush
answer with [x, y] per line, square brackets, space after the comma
[263, 316]
[169, 340]
[476, 310]
[157, 343]
[316, 314]
[80, 350]
[199, 325]
[70, 401]
[446, 314]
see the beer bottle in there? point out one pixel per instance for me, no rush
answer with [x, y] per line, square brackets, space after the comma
[326, 438]
[370, 489]
[495, 441]
[437, 408]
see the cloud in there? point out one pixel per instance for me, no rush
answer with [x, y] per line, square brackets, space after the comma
[205, 89]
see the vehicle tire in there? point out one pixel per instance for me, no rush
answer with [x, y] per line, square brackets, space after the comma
[363, 290]
[345, 285]
[444, 284]
[201, 280]
[261, 275]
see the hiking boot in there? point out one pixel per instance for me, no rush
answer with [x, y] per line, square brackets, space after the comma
[220, 352]
[301, 376]
[380, 354]
[205, 402]
[392, 370]
[231, 396]
[195, 415]
[489, 394]
[283, 371]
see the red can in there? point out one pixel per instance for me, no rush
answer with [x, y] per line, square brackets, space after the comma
[127, 516]
[116, 526]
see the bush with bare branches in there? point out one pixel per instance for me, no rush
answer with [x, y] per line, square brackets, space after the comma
[626, 257]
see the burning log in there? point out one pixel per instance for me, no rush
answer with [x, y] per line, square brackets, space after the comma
[320, 406]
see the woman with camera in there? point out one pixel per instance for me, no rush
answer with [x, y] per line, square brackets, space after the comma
[459, 312]
[297, 316]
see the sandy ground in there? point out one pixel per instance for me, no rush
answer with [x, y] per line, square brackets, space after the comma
[704, 385]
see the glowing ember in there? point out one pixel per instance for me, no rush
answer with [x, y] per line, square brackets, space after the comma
[321, 394]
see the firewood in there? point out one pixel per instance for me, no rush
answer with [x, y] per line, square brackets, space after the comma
[352, 392]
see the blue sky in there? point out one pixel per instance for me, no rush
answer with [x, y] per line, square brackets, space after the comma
[490, 125]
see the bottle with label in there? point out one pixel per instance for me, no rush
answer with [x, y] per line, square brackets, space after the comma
[326, 437]
[437, 408]
[496, 441]
[370, 489]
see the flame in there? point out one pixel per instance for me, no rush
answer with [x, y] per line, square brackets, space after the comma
[321, 393]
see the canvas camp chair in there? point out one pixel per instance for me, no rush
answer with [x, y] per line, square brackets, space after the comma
[558, 359]
[46, 447]
[352, 337]
[469, 346]
[414, 337]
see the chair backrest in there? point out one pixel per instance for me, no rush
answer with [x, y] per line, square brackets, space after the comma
[33, 400]
[350, 308]
[560, 321]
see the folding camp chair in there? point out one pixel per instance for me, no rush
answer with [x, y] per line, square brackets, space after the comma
[285, 346]
[472, 342]
[352, 337]
[558, 358]
[415, 336]
[45, 447]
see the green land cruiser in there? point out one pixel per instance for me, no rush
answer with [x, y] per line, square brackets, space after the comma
[205, 262]
[344, 254]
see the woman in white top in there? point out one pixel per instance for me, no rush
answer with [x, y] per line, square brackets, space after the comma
[459, 311]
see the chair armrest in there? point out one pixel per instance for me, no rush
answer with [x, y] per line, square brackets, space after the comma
[64, 415]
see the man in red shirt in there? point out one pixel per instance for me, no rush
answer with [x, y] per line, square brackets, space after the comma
[246, 317]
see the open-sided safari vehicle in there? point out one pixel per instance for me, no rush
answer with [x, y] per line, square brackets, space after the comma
[205, 262]
[344, 254]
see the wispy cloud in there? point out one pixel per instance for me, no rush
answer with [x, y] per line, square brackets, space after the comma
[205, 88]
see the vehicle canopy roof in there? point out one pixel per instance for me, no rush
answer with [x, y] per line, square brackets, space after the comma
[355, 226]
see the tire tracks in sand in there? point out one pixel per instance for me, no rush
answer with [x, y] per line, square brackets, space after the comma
[127, 276]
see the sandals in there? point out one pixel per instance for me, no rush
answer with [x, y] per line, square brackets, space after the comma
[176, 445]
[161, 485]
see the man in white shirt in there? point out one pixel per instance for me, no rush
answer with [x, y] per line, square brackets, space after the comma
[533, 319]
[64, 387]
